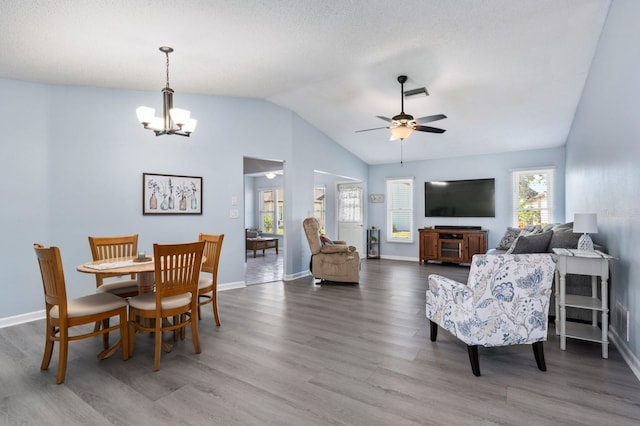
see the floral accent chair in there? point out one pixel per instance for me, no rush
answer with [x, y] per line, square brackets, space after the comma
[505, 302]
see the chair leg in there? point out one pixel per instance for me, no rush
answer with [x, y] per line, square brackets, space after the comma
[434, 330]
[48, 347]
[157, 346]
[194, 333]
[124, 335]
[473, 357]
[214, 302]
[132, 334]
[538, 352]
[105, 336]
[62, 357]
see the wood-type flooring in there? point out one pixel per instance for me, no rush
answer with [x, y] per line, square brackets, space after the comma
[295, 353]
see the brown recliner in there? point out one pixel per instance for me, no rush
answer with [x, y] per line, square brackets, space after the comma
[336, 262]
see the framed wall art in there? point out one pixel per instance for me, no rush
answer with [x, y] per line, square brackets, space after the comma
[376, 198]
[171, 194]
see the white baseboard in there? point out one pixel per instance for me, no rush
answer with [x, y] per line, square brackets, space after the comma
[231, 286]
[291, 277]
[22, 318]
[632, 361]
[403, 258]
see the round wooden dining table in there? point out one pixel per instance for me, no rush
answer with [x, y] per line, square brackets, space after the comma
[124, 265]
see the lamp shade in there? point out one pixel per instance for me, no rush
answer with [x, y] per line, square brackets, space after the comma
[585, 223]
[145, 114]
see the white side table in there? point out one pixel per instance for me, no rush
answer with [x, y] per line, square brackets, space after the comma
[596, 264]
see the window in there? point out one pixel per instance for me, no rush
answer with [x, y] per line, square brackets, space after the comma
[350, 202]
[400, 210]
[272, 211]
[532, 197]
[319, 206]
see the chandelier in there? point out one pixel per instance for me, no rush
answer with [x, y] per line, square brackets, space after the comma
[174, 121]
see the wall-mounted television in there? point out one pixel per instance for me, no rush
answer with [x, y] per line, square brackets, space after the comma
[460, 198]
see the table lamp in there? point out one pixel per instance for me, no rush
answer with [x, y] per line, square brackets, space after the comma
[585, 224]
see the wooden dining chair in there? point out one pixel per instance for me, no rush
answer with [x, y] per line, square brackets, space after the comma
[62, 314]
[208, 286]
[174, 304]
[114, 247]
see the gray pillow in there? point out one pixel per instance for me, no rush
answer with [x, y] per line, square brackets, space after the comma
[508, 238]
[536, 243]
[563, 237]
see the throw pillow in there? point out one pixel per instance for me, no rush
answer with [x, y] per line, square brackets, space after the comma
[536, 243]
[524, 233]
[564, 237]
[325, 240]
[508, 238]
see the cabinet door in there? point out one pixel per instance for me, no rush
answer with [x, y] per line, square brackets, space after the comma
[428, 245]
[474, 244]
[451, 250]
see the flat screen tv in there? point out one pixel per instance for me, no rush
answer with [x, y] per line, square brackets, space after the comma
[460, 198]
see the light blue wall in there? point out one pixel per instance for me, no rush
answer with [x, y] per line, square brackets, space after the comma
[603, 157]
[24, 214]
[72, 161]
[496, 166]
[312, 152]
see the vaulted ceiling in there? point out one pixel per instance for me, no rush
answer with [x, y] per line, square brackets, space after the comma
[508, 74]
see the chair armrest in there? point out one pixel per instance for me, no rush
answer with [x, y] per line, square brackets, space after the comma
[334, 249]
[340, 242]
[447, 301]
[439, 283]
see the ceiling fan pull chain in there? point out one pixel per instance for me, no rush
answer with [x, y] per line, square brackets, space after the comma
[401, 154]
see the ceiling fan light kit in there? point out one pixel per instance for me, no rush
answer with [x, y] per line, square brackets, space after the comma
[174, 121]
[403, 125]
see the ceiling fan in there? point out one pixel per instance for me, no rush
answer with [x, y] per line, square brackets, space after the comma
[403, 125]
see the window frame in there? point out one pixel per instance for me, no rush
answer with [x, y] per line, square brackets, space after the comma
[321, 212]
[549, 210]
[277, 213]
[391, 237]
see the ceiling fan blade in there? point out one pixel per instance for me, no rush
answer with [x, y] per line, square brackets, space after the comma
[429, 129]
[384, 118]
[430, 118]
[375, 128]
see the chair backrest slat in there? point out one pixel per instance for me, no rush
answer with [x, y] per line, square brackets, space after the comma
[212, 249]
[177, 268]
[112, 247]
[51, 270]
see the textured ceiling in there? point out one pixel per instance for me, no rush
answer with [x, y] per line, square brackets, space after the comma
[508, 74]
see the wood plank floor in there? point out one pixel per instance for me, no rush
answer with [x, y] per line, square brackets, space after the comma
[264, 268]
[298, 354]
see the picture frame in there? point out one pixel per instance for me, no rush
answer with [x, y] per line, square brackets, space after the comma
[376, 198]
[171, 194]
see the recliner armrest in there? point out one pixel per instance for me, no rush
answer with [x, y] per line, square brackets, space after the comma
[335, 249]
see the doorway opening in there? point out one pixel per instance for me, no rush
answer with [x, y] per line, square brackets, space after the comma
[263, 220]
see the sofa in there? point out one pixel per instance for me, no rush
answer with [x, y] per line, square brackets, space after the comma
[537, 239]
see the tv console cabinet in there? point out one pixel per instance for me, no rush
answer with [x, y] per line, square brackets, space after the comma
[451, 244]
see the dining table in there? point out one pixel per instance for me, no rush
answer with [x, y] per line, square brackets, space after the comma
[144, 268]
